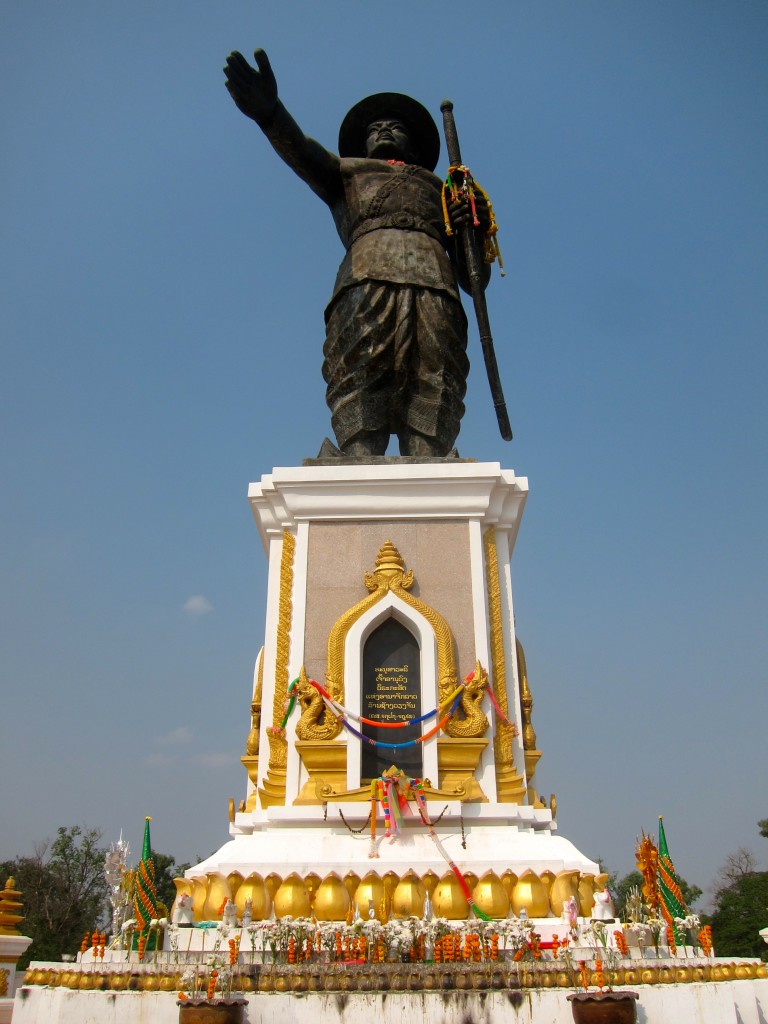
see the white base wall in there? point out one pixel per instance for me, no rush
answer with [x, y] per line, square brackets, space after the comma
[736, 1002]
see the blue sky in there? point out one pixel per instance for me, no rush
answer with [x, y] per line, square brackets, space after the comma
[162, 286]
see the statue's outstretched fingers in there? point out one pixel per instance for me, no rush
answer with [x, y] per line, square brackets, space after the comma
[238, 70]
[234, 61]
[262, 62]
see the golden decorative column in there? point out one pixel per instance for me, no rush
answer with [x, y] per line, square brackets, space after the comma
[273, 790]
[532, 755]
[251, 757]
[510, 786]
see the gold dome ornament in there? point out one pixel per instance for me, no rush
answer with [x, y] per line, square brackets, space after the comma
[292, 899]
[531, 893]
[254, 888]
[351, 881]
[312, 884]
[235, 880]
[548, 878]
[273, 881]
[332, 900]
[216, 895]
[430, 880]
[448, 899]
[471, 879]
[509, 881]
[490, 896]
[588, 886]
[564, 888]
[370, 891]
[390, 880]
[409, 896]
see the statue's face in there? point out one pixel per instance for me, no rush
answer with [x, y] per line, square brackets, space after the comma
[387, 139]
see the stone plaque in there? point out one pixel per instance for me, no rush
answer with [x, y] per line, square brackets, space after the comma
[391, 693]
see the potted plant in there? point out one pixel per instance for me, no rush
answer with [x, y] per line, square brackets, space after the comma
[207, 996]
[604, 1005]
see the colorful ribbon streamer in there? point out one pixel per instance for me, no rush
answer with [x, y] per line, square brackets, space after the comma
[391, 791]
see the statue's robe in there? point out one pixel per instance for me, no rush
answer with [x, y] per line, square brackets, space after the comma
[395, 349]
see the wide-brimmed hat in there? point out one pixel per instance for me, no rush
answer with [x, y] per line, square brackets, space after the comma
[422, 130]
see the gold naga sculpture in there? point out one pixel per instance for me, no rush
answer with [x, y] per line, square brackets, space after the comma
[316, 722]
[474, 722]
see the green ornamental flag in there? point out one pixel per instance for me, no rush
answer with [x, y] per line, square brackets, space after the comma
[672, 902]
[145, 893]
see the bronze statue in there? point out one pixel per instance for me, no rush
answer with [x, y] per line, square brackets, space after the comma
[396, 334]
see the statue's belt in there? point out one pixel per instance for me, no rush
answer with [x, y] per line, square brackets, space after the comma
[398, 221]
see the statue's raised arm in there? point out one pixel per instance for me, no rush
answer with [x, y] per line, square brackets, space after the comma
[254, 91]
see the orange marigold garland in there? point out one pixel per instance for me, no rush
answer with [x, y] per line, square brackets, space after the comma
[212, 983]
[599, 976]
[647, 857]
[459, 182]
[583, 974]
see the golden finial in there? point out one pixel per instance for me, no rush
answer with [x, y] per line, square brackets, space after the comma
[10, 904]
[389, 561]
[389, 569]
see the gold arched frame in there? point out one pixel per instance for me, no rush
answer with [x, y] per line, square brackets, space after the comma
[390, 576]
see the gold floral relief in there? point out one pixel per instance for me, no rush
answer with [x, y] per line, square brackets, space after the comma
[284, 617]
[273, 791]
[502, 743]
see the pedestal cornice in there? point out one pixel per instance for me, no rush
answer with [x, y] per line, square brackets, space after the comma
[451, 490]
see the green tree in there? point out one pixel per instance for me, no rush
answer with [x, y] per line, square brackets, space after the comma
[741, 905]
[740, 913]
[64, 892]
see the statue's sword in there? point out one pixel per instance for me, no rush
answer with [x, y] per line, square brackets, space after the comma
[474, 269]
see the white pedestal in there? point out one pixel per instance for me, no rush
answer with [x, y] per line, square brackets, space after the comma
[454, 524]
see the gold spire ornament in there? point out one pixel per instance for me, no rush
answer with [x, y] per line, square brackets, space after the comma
[10, 905]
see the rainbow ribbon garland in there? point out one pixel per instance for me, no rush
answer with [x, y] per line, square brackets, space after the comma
[392, 792]
[343, 714]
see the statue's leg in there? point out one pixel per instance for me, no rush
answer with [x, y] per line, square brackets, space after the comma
[358, 366]
[431, 368]
[412, 443]
[367, 442]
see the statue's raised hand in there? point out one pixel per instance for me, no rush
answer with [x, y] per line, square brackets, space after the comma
[254, 92]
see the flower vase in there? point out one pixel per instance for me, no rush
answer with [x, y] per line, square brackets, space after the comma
[603, 1007]
[217, 1011]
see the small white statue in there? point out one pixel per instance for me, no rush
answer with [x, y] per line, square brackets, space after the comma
[571, 912]
[248, 912]
[182, 913]
[603, 910]
[229, 917]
